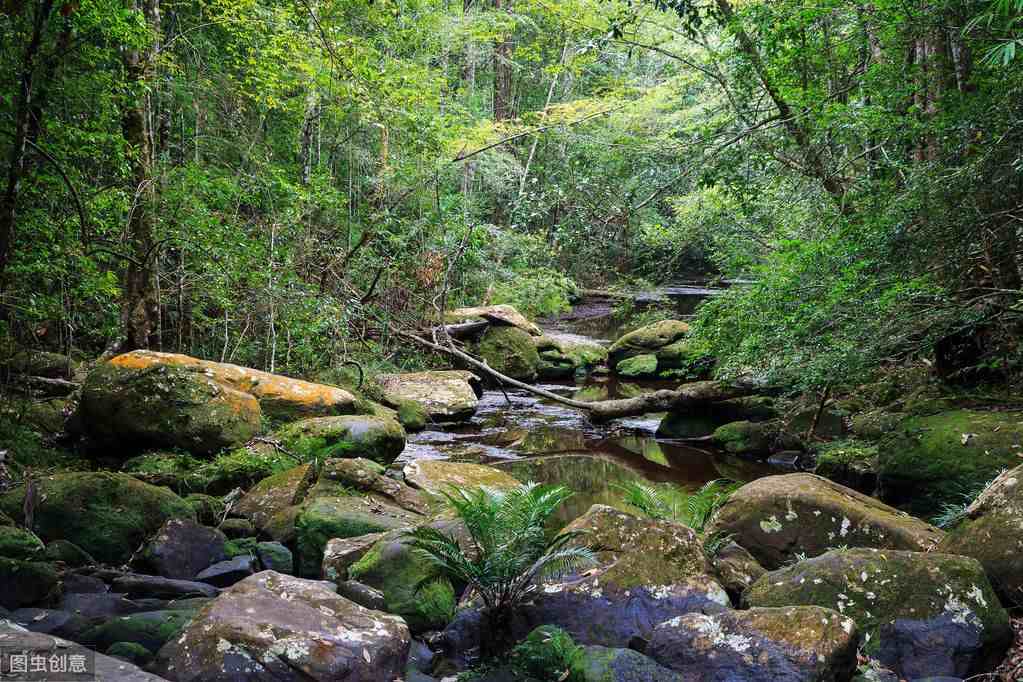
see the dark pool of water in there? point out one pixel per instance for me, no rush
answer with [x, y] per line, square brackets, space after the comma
[544, 441]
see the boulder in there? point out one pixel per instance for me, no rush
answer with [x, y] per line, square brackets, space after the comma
[209, 510]
[368, 476]
[701, 421]
[106, 514]
[52, 622]
[510, 351]
[380, 439]
[648, 571]
[174, 470]
[341, 553]
[164, 406]
[790, 644]
[921, 614]
[444, 396]
[139, 586]
[930, 461]
[26, 583]
[275, 493]
[735, 568]
[991, 531]
[603, 664]
[149, 629]
[228, 572]
[273, 556]
[326, 516]
[102, 667]
[274, 626]
[18, 543]
[638, 366]
[850, 462]
[410, 583]
[754, 439]
[496, 315]
[563, 355]
[182, 548]
[435, 476]
[646, 339]
[41, 363]
[777, 518]
[67, 553]
[237, 528]
[281, 398]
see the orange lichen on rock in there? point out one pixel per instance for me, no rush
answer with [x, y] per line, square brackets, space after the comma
[279, 396]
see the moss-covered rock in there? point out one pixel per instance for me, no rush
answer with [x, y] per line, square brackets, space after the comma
[637, 366]
[753, 439]
[444, 396]
[698, 422]
[174, 470]
[326, 516]
[605, 664]
[437, 476]
[791, 644]
[991, 531]
[735, 568]
[496, 315]
[406, 580]
[922, 614]
[875, 424]
[240, 468]
[274, 494]
[367, 476]
[67, 553]
[209, 510]
[149, 629]
[17, 543]
[130, 652]
[510, 351]
[165, 406]
[107, 514]
[564, 355]
[777, 518]
[852, 463]
[26, 583]
[40, 363]
[647, 339]
[934, 460]
[376, 438]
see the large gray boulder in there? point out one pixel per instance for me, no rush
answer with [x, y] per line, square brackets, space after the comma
[791, 644]
[921, 614]
[276, 627]
[777, 518]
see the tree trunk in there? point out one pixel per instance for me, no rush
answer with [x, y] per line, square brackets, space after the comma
[23, 107]
[502, 70]
[138, 306]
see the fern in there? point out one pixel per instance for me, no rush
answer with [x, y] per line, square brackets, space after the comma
[511, 554]
[697, 510]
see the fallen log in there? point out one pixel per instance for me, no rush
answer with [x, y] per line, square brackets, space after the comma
[688, 395]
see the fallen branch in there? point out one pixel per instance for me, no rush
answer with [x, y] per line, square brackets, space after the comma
[689, 395]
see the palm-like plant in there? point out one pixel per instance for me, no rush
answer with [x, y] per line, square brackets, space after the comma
[695, 513]
[510, 554]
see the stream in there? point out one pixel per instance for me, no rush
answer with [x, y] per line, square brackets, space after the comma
[536, 439]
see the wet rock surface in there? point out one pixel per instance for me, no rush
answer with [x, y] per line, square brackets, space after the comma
[273, 626]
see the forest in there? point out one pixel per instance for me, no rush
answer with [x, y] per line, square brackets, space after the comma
[512, 339]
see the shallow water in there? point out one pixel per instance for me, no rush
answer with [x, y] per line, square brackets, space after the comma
[536, 439]
[540, 440]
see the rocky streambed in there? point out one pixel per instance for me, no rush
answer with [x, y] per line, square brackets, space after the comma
[230, 524]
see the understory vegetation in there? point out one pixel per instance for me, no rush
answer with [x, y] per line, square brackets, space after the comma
[280, 184]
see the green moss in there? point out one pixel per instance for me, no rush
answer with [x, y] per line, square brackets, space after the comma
[844, 460]
[510, 351]
[131, 652]
[209, 510]
[647, 339]
[377, 438]
[325, 517]
[107, 514]
[742, 438]
[412, 416]
[637, 366]
[150, 629]
[411, 585]
[175, 470]
[929, 462]
[240, 468]
[240, 547]
[67, 553]
[16, 543]
[26, 583]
